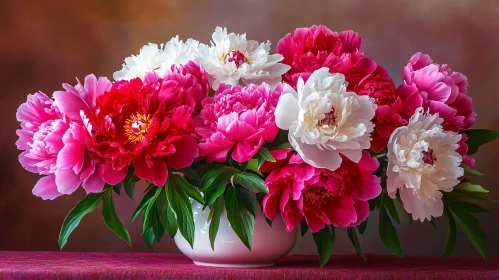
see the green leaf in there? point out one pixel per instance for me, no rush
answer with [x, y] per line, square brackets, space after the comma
[469, 171]
[149, 237]
[466, 206]
[324, 240]
[211, 195]
[241, 219]
[451, 235]
[117, 188]
[253, 166]
[217, 177]
[388, 234]
[478, 137]
[189, 189]
[148, 216]
[111, 218]
[304, 228]
[247, 200]
[471, 227]
[261, 161]
[390, 206]
[362, 227]
[259, 198]
[129, 183]
[352, 235]
[251, 182]
[191, 173]
[72, 220]
[157, 227]
[215, 214]
[181, 206]
[166, 215]
[265, 154]
[143, 203]
[469, 187]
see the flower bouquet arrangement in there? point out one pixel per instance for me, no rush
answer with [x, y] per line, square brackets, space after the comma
[317, 134]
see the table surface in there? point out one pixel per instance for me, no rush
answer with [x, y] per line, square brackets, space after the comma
[71, 265]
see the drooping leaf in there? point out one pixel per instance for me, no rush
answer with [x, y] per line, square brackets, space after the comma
[247, 200]
[166, 215]
[189, 189]
[471, 227]
[362, 227]
[469, 187]
[265, 154]
[259, 198]
[251, 182]
[478, 137]
[129, 183]
[390, 206]
[451, 234]
[240, 218]
[211, 195]
[143, 203]
[217, 177]
[352, 235]
[215, 214]
[181, 206]
[157, 226]
[117, 188]
[111, 218]
[191, 173]
[324, 240]
[72, 220]
[304, 228]
[149, 238]
[148, 215]
[388, 234]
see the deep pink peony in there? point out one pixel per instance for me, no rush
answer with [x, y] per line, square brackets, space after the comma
[194, 79]
[309, 49]
[238, 118]
[145, 123]
[323, 197]
[439, 89]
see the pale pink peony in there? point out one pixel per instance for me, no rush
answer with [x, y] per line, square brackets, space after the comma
[310, 49]
[238, 118]
[322, 197]
[438, 89]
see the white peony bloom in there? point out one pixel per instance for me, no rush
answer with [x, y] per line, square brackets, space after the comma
[158, 58]
[325, 120]
[231, 57]
[423, 162]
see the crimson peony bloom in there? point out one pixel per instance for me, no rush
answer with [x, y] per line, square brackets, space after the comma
[310, 49]
[389, 113]
[146, 123]
[322, 197]
[237, 117]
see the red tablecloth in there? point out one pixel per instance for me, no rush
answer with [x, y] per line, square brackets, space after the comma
[56, 265]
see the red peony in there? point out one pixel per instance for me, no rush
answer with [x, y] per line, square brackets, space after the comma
[388, 116]
[309, 49]
[145, 123]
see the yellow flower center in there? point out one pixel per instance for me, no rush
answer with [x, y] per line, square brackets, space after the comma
[316, 194]
[235, 56]
[137, 126]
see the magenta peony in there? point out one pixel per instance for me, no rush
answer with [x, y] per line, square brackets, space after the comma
[310, 49]
[439, 89]
[238, 118]
[322, 197]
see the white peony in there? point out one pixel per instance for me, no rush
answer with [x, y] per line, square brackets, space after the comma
[158, 58]
[423, 162]
[231, 57]
[325, 120]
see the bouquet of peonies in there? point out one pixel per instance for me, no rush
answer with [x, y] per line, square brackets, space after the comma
[318, 131]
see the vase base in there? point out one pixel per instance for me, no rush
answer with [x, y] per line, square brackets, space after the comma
[233, 265]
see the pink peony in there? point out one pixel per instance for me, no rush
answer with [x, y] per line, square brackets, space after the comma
[310, 49]
[439, 89]
[238, 118]
[323, 197]
[40, 138]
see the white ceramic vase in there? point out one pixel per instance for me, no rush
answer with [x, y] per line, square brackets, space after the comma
[269, 243]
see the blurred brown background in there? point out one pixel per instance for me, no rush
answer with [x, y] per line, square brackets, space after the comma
[46, 43]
